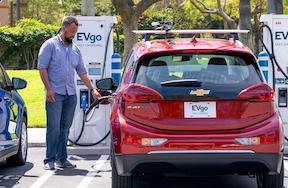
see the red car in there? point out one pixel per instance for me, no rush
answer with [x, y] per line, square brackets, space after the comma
[194, 106]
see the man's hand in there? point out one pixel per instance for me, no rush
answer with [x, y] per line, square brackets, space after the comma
[95, 94]
[50, 95]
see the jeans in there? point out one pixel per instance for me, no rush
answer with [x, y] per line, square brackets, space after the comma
[59, 120]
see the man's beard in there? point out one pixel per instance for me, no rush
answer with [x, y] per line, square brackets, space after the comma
[69, 41]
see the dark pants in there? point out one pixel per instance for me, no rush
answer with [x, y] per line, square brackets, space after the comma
[59, 120]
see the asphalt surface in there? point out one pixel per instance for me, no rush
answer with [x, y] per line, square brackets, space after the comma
[95, 171]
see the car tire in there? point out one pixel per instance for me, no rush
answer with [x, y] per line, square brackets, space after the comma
[264, 180]
[20, 157]
[117, 180]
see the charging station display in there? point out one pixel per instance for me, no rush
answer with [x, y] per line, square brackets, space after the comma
[95, 40]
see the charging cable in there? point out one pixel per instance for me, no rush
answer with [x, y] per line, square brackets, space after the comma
[87, 113]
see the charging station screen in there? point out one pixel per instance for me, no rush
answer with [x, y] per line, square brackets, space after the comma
[94, 71]
[80, 83]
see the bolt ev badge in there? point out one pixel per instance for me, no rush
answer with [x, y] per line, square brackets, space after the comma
[199, 92]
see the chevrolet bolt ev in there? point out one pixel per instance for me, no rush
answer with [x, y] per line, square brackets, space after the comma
[191, 107]
[13, 121]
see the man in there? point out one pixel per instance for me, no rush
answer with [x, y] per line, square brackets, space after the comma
[58, 59]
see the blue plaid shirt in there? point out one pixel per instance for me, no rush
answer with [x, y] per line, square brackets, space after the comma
[61, 63]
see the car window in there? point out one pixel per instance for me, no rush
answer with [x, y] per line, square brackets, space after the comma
[206, 68]
[216, 72]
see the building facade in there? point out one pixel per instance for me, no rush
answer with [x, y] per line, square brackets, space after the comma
[4, 13]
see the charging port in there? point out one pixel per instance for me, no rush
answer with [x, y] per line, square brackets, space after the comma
[282, 98]
[84, 99]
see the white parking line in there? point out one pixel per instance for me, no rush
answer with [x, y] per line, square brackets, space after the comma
[40, 181]
[76, 157]
[93, 171]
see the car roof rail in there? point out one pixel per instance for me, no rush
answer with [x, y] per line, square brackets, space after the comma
[232, 33]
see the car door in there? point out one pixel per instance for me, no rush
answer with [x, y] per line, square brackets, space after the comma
[8, 114]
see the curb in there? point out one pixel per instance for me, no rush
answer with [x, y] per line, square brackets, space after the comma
[34, 145]
[78, 150]
[102, 150]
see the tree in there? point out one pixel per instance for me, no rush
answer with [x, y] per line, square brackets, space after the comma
[87, 8]
[21, 44]
[257, 9]
[229, 22]
[245, 21]
[275, 6]
[49, 12]
[130, 13]
[220, 10]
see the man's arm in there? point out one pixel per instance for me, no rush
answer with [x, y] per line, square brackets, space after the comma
[45, 80]
[44, 58]
[88, 83]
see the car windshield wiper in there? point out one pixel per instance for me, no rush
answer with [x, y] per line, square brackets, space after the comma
[183, 82]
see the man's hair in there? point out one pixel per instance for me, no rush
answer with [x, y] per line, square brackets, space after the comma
[69, 20]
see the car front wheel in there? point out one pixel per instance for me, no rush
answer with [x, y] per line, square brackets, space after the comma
[20, 157]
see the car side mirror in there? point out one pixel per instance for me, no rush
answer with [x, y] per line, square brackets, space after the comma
[106, 84]
[19, 83]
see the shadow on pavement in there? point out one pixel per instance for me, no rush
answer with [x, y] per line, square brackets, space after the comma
[71, 172]
[10, 176]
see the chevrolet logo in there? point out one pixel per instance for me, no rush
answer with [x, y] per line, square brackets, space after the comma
[199, 92]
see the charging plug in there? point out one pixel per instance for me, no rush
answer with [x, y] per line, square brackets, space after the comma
[84, 100]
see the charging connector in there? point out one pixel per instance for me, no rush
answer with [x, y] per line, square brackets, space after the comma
[84, 99]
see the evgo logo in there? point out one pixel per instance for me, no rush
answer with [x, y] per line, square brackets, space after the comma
[199, 108]
[280, 35]
[89, 37]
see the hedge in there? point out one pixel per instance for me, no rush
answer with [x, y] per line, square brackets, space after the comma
[20, 45]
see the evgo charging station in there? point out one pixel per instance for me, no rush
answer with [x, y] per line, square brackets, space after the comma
[95, 40]
[273, 61]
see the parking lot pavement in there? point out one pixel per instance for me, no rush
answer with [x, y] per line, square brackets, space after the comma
[95, 171]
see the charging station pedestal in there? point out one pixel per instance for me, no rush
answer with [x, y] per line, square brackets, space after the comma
[95, 40]
[279, 27]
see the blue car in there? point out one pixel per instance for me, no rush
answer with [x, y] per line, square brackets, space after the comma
[13, 120]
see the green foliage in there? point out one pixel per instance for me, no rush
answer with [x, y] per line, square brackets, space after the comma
[186, 16]
[285, 6]
[104, 8]
[51, 11]
[20, 44]
[151, 15]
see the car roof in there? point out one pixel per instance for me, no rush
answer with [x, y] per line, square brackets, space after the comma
[190, 45]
